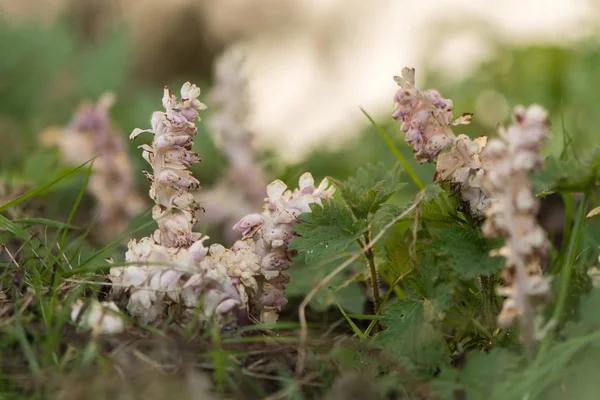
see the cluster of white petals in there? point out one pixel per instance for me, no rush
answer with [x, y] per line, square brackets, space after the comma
[242, 189]
[268, 235]
[427, 119]
[99, 317]
[91, 134]
[512, 214]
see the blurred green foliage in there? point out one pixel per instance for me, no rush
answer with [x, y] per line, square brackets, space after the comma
[563, 79]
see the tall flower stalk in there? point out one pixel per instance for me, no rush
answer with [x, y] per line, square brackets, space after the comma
[174, 251]
[513, 215]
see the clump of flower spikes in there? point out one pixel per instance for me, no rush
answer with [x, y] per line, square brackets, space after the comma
[173, 264]
[513, 215]
[91, 134]
[242, 189]
[427, 119]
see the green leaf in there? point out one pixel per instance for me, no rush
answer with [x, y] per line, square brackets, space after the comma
[370, 188]
[412, 337]
[481, 375]
[567, 175]
[326, 231]
[439, 208]
[398, 254]
[13, 228]
[466, 252]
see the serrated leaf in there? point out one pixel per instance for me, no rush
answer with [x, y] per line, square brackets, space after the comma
[567, 175]
[398, 254]
[466, 252]
[370, 188]
[326, 231]
[412, 337]
[439, 207]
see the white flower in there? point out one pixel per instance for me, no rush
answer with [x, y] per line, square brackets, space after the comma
[100, 317]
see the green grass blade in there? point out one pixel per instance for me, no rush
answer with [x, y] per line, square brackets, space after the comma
[13, 228]
[395, 151]
[28, 351]
[365, 316]
[44, 221]
[40, 189]
[76, 204]
[355, 328]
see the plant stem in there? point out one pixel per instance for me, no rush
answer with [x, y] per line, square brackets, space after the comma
[490, 306]
[370, 256]
[566, 237]
[567, 270]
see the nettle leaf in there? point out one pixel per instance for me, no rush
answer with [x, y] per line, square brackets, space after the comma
[327, 231]
[370, 188]
[439, 207]
[412, 337]
[481, 375]
[398, 253]
[466, 252]
[567, 175]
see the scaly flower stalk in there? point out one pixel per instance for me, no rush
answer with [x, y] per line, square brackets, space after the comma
[427, 119]
[173, 254]
[243, 188]
[513, 215]
[268, 236]
[90, 135]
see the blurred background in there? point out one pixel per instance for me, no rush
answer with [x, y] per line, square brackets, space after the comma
[310, 65]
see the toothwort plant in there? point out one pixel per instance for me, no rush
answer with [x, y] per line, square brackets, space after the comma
[173, 265]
